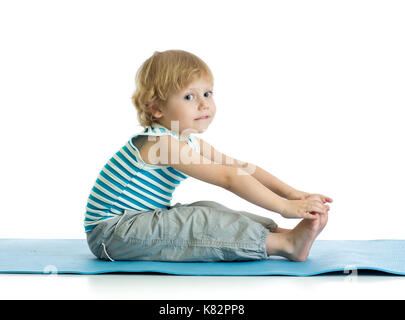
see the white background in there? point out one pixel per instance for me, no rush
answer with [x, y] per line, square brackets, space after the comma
[311, 91]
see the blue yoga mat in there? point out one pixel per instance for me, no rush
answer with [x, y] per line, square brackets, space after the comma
[73, 256]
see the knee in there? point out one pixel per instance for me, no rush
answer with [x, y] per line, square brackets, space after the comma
[207, 203]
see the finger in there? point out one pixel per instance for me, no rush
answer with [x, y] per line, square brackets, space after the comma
[320, 211]
[318, 207]
[326, 199]
[322, 198]
[314, 196]
[309, 216]
[311, 206]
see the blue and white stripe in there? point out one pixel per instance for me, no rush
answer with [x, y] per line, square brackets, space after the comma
[127, 182]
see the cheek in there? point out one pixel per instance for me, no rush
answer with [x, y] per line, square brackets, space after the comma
[185, 114]
[214, 109]
[180, 112]
[189, 113]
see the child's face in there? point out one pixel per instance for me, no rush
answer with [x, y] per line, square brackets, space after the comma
[187, 106]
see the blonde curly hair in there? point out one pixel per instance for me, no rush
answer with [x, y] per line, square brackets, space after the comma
[162, 74]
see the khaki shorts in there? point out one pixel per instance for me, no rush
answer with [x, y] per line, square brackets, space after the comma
[199, 231]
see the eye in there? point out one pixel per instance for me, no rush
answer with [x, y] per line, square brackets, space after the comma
[187, 97]
[208, 92]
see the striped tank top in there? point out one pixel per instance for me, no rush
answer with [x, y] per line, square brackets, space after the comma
[127, 182]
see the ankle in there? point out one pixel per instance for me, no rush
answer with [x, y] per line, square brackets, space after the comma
[279, 244]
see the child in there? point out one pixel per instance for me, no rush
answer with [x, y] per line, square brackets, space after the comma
[128, 213]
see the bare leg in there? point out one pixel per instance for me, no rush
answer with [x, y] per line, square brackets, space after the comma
[295, 244]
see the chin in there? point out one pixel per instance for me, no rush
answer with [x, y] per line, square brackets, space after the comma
[201, 130]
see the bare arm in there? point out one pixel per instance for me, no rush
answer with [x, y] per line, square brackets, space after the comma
[265, 178]
[273, 183]
[249, 188]
[179, 155]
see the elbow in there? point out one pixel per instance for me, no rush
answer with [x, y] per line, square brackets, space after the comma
[229, 179]
[233, 176]
[227, 183]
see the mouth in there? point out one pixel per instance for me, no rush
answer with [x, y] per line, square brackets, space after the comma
[202, 118]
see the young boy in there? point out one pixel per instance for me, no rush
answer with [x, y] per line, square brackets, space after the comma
[129, 215]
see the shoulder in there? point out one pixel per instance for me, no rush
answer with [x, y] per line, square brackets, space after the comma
[158, 150]
[151, 149]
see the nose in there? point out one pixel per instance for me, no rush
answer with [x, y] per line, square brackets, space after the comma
[203, 104]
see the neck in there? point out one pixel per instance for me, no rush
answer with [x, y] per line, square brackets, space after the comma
[174, 128]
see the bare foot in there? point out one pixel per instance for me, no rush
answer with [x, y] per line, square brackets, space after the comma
[323, 222]
[302, 237]
[295, 244]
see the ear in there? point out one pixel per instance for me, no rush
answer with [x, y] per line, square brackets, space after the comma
[156, 111]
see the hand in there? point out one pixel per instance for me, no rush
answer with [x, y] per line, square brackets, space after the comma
[305, 208]
[318, 197]
[297, 195]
